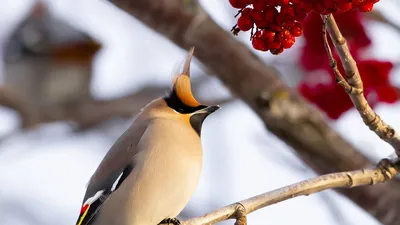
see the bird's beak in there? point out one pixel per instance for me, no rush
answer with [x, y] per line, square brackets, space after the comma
[210, 109]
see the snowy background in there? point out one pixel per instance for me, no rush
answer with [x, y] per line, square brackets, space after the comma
[43, 172]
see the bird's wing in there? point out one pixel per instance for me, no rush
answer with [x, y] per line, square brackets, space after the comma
[117, 158]
[112, 171]
[93, 204]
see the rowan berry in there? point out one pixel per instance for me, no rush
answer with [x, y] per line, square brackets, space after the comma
[297, 29]
[238, 3]
[245, 23]
[246, 11]
[260, 5]
[344, 6]
[259, 44]
[289, 41]
[268, 36]
[276, 51]
[270, 14]
[278, 22]
[258, 17]
[275, 45]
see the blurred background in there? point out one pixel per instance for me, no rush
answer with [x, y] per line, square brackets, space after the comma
[74, 72]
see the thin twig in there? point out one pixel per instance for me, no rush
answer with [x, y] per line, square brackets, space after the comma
[354, 86]
[339, 77]
[384, 171]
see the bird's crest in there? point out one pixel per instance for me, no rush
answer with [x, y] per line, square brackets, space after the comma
[182, 86]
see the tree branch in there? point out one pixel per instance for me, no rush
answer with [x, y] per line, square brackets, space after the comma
[282, 111]
[86, 113]
[354, 85]
[384, 171]
[376, 15]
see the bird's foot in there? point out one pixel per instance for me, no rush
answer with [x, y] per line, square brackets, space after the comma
[173, 221]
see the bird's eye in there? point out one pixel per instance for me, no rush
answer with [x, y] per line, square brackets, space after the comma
[180, 110]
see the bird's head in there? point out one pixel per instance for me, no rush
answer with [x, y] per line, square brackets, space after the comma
[180, 103]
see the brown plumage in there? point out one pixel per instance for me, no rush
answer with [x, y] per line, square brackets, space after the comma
[152, 170]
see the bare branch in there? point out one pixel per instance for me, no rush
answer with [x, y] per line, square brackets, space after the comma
[376, 15]
[354, 86]
[384, 171]
[86, 113]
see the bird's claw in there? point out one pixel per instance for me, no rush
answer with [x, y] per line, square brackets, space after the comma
[173, 221]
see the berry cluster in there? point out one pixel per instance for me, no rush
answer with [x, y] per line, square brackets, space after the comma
[330, 6]
[277, 22]
[275, 29]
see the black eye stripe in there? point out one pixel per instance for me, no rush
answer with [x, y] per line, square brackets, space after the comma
[174, 102]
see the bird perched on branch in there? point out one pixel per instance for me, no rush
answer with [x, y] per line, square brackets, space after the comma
[152, 170]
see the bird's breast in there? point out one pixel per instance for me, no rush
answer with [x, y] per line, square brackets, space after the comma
[167, 171]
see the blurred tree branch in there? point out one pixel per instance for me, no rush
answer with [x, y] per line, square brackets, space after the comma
[283, 112]
[376, 15]
[50, 64]
[85, 113]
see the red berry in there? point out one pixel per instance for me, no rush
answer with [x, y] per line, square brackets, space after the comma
[288, 42]
[258, 18]
[275, 27]
[246, 11]
[259, 5]
[276, 51]
[287, 25]
[275, 45]
[344, 6]
[245, 23]
[256, 15]
[259, 44]
[287, 11]
[329, 4]
[297, 29]
[357, 2]
[299, 8]
[281, 19]
[282, 36]
[238, 3]
[258, 34]
[270, 14]
[284, 2]
[366, 7]
[268, 36]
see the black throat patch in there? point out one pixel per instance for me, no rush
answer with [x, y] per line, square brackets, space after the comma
[196, 120]
[174, 102]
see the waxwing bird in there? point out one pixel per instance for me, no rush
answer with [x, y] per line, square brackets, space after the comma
[152, 170]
